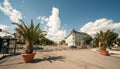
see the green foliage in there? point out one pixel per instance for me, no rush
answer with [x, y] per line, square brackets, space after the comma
[117, 41]
[62, 42]
[41, 38]
[30, 33]
[44, 41]
[106, 37]
[88, 39]
[47, 42]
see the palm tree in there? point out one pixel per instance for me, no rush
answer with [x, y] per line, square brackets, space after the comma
[105, 37]
[30, 33]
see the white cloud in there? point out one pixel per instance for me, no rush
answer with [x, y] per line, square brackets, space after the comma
[44, 19]
[4, 28]
[100, 24]
[8, 10]
[14, 15]
[39, 17]
[53, 26]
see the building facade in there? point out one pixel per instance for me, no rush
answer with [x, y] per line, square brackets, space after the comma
[18, 36]
[75, 38]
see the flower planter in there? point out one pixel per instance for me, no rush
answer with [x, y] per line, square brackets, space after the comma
[104, 52]
[28, 57]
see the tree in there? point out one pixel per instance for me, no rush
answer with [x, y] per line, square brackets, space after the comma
[41, 38]
[62, 42]
[105, 38]
[31, 34]
[88, 39]
[118, 41]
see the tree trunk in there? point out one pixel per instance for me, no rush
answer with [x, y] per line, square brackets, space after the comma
[102, 45]
[29, 48]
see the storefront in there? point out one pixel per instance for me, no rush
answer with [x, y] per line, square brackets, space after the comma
[7, 46]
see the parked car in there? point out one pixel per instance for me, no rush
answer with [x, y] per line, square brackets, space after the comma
[73, 47]
[37, 47]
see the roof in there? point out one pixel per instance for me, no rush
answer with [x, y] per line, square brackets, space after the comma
[74, 31]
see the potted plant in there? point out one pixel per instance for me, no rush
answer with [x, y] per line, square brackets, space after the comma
[103, 39]
[31, 34]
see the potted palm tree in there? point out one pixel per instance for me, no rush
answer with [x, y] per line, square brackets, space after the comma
[103, 38]
[31, 34]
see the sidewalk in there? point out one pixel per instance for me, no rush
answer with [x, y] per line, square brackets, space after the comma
[2, 56]
[111, 52]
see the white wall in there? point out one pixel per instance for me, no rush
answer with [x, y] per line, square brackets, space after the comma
[70, 41]
[75, 39]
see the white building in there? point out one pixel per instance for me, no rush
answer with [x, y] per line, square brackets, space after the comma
[75, 38]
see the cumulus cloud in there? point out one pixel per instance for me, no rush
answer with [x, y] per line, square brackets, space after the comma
[52, 26]
[100, 25]
[13, 14]
[39, 17]
[4, 28]
[44, 19]
[8, 10]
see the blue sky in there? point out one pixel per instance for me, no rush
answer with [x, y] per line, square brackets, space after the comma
[88, 16]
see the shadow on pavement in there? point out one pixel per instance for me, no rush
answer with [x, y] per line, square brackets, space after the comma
[7, 57]
[50, 59]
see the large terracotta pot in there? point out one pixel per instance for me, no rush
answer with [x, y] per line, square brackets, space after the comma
[28, 57]
[104, 52]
